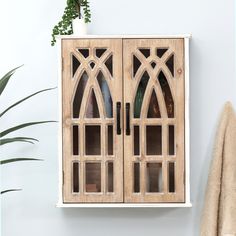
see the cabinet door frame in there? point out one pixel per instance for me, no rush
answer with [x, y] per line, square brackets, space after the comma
[70, 82]
[144, 52]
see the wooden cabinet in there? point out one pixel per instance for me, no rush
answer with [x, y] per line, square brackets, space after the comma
[124, 121]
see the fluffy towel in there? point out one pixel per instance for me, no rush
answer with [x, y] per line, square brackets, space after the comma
[219, 213]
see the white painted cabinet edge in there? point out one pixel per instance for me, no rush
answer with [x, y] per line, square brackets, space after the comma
[140, 36]
[123, 205]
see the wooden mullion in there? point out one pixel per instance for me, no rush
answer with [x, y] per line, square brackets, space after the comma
[103, 147]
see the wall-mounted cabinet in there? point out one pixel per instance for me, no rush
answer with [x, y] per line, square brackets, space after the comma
[124, 132]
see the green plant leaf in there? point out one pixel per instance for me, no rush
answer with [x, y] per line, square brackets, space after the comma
[72, 10]
[4, 80]
[10, 160]
[22, 100]
[17, 139]
[21, 126]
[10, 190]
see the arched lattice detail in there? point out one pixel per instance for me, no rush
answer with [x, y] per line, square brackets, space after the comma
[91, 61]
[159, 66]
[78, 95]
[166, 92]
[94, 59]
[153, 85]
[164, 59]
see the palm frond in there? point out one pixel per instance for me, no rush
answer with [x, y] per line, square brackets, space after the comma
[22, 100]
[17, 139]
[10, 190]
[4, 80]
[21, 126]
[10, 160]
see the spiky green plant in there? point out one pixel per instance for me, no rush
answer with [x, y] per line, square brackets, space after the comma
[73, 10]
[6, 140]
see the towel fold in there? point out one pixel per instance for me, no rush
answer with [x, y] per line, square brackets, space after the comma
[219, 212]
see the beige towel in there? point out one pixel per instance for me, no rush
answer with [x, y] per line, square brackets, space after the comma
[219, 213]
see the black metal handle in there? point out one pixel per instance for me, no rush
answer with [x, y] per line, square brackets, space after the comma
[127, 107]
[118, 107]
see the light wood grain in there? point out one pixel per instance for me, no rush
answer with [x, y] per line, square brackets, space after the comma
[69, 85]
[176, 84]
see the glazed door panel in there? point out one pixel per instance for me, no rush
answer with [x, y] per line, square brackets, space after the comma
[154, 120]
[92, 120]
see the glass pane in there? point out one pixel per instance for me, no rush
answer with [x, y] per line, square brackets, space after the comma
[109, 65]
[92, 140]
[75, 177]
[93, 177]
[136, 140]
[75, 139]
[153, 140]
[79, 94]
[170, 64]
[145, 51]
[75, 64]
[171, 140]
[140, 94]
[171, 177]
[167, 94]
[92, 106]
[153, 110]
[110, 177]
[153, 64]
[154, 177]
[110, 139]
[105, 94]
[136, 65]
[84, 52]
[136, 177]
[161, 51]
[100, 52]
[92, 64]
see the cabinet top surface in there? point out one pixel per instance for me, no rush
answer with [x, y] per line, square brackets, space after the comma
[89, 36]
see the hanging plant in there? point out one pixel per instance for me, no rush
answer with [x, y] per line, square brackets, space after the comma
[73, 10]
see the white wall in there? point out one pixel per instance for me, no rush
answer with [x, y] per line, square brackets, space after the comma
[25, 39]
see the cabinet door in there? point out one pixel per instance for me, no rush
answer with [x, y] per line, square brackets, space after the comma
[154, 120]
[92, 139]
